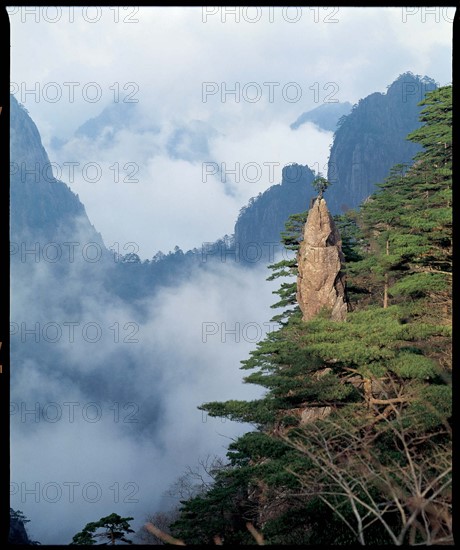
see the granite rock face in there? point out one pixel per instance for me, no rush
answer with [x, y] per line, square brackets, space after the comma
[261, 222]
[42, 207]
[321, 281]
[372, 139]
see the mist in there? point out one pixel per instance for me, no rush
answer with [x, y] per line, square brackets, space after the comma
[105, 389]
[186, 189]
[107, 425]
[178, 66]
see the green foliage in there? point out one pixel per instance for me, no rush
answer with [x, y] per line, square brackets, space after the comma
[412, 212]
[414, 365]
[352, 409]
[115, 528]
[220, 512]
[418, 285]
[436, 134]
[432, 408]
[291, 238]
[320, 184]
[353, 242]
[18, 515]
[257, 412]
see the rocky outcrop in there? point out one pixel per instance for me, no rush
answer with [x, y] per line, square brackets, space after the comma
[42, 208]
[321, 280]
[261, 222]
[17, 533]
[372, 139]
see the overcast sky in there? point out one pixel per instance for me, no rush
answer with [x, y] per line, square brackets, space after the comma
[180, 65]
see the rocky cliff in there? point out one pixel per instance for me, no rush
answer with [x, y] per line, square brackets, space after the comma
[325, 116]
[368, 142]
[42, 207]
[321, 281]
[17, 533]
[262, 221]
[372, 139]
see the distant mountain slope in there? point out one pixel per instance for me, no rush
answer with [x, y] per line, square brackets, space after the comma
[111, 120]
[372, 139]
[325, 116]
[184, 140]
[368, 142]
[43, 208]
[262, 221]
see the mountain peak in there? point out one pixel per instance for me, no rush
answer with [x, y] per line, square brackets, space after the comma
[407, 84]
[42, 207]
[372, 139]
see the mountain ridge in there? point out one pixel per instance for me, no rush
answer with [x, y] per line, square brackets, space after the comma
[372, 139]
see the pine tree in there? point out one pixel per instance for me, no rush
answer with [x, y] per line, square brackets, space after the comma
[291, 238]
[352, 438]
[114, 528]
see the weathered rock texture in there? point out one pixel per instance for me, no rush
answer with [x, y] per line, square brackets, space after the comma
[262, 221]
[321, 281]
[42, 208]
[372, 139]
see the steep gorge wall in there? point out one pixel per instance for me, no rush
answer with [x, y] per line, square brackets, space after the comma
[372, 139]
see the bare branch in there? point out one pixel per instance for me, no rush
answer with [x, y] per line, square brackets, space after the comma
[163, 536]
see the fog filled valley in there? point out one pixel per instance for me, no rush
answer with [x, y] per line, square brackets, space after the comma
[141, 235]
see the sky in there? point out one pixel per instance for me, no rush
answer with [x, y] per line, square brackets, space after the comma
[214, 91]
[176, 157]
